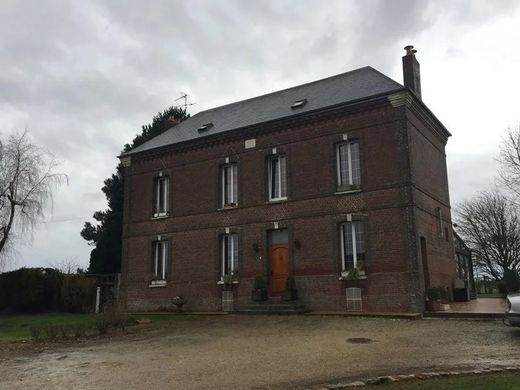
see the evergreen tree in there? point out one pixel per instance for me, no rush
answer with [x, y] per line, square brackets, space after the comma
[105, 236]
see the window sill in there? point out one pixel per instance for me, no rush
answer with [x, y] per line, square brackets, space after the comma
[345, 276]
[276, 200]
[347, 279]
[221, 282]
[343, 192]
[160, 216]
[158, 283]
[228, 207]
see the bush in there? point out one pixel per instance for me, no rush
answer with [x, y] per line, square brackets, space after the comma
[52, 331]
[78, 293]
[79, 330]
[112, 316]
[259, 283]
[438, 294]
[511, 281]
[290, 283]
[30, 290]
[36, 332]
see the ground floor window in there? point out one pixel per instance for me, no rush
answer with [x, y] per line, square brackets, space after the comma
[352, 237]
[229, 256]
[160, 259]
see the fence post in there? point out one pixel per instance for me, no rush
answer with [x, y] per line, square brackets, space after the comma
[98, 294]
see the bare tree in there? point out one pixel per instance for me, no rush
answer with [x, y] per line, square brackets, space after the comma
[490, 225]
[68, 266]
[509, 159]
[27, 179]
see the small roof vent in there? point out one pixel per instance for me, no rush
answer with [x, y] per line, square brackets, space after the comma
[205, 127]
[299, 103]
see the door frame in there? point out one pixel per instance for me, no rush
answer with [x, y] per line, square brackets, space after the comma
[268, 227]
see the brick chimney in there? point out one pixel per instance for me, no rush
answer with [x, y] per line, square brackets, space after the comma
[412, 71]
[171, 121]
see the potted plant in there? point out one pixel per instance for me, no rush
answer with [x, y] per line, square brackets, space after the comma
[228, 281]
[259, 292]
[356, 273]
[438, 299]
[179, 301]
[290, 293]
[156, 281]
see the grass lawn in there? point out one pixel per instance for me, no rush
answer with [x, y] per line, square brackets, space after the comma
[493, 295]
[16, 326]
[498, 381]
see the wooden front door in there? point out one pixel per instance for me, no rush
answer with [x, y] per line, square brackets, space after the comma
[278, 268]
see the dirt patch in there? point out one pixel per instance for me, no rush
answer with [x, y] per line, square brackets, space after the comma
[244, 352]
[359, 340]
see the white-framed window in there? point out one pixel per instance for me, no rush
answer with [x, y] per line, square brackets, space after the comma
[348, 167]
[277, 177]
[160, 260]
[352, 238]
[161, 196]
[229, 181]
[229, 254]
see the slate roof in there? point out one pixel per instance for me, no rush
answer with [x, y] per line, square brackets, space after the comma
[342, 88]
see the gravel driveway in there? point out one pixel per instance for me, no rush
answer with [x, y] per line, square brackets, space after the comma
[241, 352]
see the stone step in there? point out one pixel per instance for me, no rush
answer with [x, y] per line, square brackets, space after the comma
[272, 307]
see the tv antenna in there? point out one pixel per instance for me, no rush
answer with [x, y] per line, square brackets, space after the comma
[186, 104]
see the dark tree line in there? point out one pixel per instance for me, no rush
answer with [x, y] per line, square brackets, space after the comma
[105, 235]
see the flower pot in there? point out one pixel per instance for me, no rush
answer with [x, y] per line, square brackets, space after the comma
[433, 305]
[227, 301]
[290, 295]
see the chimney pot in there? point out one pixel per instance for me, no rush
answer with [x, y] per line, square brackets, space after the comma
[409, 50]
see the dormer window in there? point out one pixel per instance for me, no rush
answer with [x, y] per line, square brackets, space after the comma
[205, 127]
[299, 103]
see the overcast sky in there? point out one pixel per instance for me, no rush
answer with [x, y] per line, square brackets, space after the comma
[83, 76]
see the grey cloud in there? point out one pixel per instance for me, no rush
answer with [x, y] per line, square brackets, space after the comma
[84, 76]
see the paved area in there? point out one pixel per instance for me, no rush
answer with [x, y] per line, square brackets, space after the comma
[480, 305]
[275, 352]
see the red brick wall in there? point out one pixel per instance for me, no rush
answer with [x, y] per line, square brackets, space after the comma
[429, 176]
[311, 214]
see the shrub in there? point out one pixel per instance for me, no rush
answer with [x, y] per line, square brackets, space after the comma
[79, 293]
[79, 330]
[52, 331]
[36, 332]
[433, 294]
[179, 301]
[112, 316]
[30, 290]
[290, 283]
[259, 283]
[511, 281]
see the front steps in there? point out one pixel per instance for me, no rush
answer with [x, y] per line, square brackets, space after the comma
[272, 307]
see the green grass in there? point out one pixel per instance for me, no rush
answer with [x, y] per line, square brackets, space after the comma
[498, 381]
[492, 295]
[17, 326]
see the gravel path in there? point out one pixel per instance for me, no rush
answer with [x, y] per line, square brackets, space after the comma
[242, 352]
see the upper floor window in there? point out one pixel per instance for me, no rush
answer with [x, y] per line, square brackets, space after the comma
[349, 171]
[229, 185]
[160, 260]
[161, 203]
[277, 178]
[352, 245]
[229, 256]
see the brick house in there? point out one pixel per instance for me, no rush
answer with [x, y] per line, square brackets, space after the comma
[341, 183]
